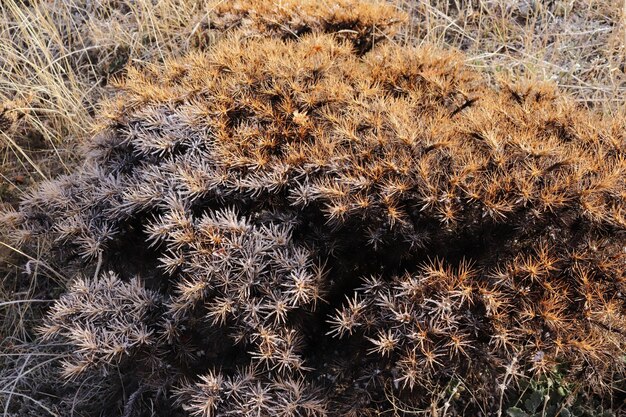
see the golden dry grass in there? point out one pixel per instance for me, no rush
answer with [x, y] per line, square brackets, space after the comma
[56, 58]
[578, 44]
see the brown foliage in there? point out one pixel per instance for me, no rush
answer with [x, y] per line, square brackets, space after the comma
[362, 23]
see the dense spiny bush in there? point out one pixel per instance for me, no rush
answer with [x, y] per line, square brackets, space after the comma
[320, 232]
[362, 24]
[103, 317]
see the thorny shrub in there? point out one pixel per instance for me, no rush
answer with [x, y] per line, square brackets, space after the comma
[305, 224]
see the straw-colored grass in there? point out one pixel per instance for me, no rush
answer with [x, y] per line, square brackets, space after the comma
[579, 44]
[56, 59]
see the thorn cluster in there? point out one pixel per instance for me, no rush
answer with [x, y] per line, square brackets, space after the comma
[105, 321]
[538, 310]
[244, 395]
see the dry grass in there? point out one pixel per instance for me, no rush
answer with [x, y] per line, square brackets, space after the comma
[56, 58]
[57, 55]
[579, 44]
